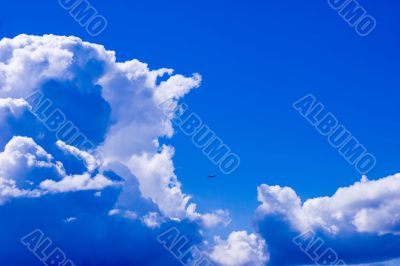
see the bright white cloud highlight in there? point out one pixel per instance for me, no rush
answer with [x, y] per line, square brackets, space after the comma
[25, 169]
[77, 183]
[159, 183]
[368, 206]
[90, 161]
[132, 92]
[209, 220]
[153, 220]
[240, 249]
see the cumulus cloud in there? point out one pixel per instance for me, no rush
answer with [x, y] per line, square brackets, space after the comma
[364, 207]
[27, 61]
[77, 183]
[115, 104]
[22, 154]
[27, 170]
[81, 225]
[239, 249]
[153, 220]
[91, 162]
[15, 106]
[360, 222]
[20, 158]
[209, 220]
[116, 107]
[159, 183]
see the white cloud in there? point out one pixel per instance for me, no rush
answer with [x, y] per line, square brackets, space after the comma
[176, 87]
[26, 61]
[25, 168]
[90, 161]
[209, 220]
[131, 215]
[77, 183]
[9, 189]
[159, 183]
[15, 106]
[364, 207]
[153, 220]
[114, 212]
[21, 155]
[133, 94]
[240, 249]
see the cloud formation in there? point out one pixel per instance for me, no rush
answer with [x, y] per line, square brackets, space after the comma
[114, 104]
[25, 167]
[360, 222]
[133, 192]
[239, 249]
[368, 206]
[58, 93]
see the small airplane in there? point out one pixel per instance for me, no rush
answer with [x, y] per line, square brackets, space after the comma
[212, 176]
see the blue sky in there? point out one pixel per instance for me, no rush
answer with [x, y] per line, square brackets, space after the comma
[256, 58]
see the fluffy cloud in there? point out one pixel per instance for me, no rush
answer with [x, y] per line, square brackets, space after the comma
[80, 224]
[130, 195]
[28, 61]
[153, 220]
[19, 159]
[90, 161]
[240, 249]
[15, 106]
[116, 105]
[25, 168]
[209, 220]
[76, 183]
[159, 183]
[22, 155]
[361, 217]
[365, 207]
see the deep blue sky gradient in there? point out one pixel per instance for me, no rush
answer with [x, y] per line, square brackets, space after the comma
[256, 59]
